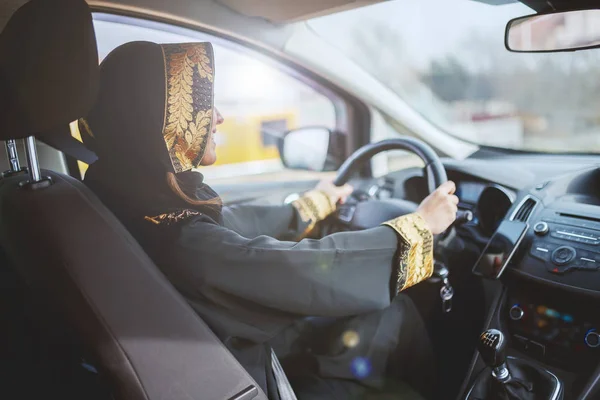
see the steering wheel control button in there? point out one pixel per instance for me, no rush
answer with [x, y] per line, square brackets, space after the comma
[541, 228]
[563, 255]
[592, 339]
[463, 217]
[516, 313]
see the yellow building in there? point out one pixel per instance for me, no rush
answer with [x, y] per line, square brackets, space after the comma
[247, 139]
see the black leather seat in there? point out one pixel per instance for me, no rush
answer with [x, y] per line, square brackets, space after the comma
[90, 284]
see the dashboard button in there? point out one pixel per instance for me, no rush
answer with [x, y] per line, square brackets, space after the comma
[542, 250]
[563, 255]
[541, 228]
[587, 260]
[575, 235]
[560, 270]
[592, 339]
[516, 313]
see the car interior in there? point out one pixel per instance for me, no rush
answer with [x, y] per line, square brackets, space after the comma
[512, 305]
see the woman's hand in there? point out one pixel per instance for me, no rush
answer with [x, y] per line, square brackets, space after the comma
[439, 208]
[337, 194]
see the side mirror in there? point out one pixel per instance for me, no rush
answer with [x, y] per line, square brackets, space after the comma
[312, 149]
[554, 32]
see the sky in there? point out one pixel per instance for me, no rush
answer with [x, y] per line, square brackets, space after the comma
[428, 27]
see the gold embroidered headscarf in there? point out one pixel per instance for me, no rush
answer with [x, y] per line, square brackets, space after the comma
[155, 106]
[189, 104]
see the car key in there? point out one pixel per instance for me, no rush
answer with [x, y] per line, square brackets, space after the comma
[446, 293]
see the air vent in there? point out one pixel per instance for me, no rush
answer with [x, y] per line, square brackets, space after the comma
[524, 211]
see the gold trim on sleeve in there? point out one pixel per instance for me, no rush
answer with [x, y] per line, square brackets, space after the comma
[415, 250]
[313, 206]
[172, 218]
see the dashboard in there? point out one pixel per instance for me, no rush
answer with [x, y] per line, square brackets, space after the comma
[550, 291]
[562, 245]
[488, 200]
[560, 199]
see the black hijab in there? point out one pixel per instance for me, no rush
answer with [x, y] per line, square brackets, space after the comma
[152, 117]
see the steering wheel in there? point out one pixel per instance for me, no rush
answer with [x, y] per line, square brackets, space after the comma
[363, 212]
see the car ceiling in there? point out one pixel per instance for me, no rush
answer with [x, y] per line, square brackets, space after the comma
[293, 10]
[263, 20]
[274, 11]
[277, 12]
[549, 5]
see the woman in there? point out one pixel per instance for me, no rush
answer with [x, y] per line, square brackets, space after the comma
[152, 124]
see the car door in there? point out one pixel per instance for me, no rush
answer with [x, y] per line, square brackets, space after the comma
[261, 98]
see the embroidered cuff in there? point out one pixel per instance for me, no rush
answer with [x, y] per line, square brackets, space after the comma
[414, 257]
[312, 207]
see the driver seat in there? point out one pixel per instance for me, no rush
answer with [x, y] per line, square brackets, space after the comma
[90, 283]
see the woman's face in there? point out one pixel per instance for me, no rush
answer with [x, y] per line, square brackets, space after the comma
[210, 156]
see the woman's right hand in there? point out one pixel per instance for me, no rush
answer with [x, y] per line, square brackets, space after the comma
[439, 208]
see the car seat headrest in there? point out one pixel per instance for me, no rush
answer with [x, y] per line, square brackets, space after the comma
[48, 67]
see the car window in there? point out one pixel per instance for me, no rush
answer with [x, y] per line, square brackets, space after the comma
[447, 60]
[257, 97]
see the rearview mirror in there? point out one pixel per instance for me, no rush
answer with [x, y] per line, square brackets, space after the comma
[312, 149]
[554, 32]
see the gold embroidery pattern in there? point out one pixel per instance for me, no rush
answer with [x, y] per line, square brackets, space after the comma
[189, 69]
[415, 256]
[173, 217]
[313, 206]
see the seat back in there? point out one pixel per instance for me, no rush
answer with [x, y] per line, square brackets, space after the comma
[76, 255]
[89, 277]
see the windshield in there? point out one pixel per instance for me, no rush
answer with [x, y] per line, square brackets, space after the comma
[447, 59]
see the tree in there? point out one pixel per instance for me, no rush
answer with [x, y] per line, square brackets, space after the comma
[448, 79]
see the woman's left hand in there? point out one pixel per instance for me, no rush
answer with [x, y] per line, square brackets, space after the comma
[337, 194]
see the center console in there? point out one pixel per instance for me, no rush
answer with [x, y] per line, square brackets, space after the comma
[511, 378]
[559, 333]
[564, 247]
[549, 306]
[558, 323]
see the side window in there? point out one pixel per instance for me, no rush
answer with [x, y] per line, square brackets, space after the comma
[260, 103]
[259, 99]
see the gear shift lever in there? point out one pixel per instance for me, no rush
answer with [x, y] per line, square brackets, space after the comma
[492, 348]
[518, 383]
